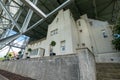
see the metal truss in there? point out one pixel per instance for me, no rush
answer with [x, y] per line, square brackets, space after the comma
[12, 19]
[116, 11]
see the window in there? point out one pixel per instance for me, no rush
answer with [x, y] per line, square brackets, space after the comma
[91, 23]
[104, 33]
[62, 46]
[34, 52]
[42, 52]
[79, 23]
[57, 19]
[56, 31]
[53, 32]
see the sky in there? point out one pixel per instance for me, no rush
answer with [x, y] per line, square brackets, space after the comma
[18, 42]
[4, 51]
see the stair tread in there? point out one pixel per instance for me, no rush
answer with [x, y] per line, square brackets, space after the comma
[108, 71]
[108, 64]
[108, 76]
[108, 79]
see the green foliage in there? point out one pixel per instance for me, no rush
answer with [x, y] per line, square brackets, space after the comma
[1, 59]
[9, 55]
[29, 49]
[116, 41]
[53, 43]
[5, 56]
[19, 52]
[116, 29]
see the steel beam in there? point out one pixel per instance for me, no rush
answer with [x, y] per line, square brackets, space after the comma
[28, 18]
[16, 3]
[50, 14]
[9, 15]
[95, 8]
[16, 19]
[34, 8]
[5, 41]
[60, 7]
[108, 4]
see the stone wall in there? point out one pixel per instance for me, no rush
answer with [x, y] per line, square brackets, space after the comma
[111, 57]
[80, 66]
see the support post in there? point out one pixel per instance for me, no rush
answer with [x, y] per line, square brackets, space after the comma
[6, 41]
[50, 14]
[28, 18]
[9, 15]
[34, 8]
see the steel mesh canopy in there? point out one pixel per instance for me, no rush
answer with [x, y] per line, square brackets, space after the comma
[107, 10]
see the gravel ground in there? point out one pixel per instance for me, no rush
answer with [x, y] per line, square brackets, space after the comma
[12, 76]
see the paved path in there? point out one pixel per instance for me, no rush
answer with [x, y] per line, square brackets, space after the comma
[3, 78]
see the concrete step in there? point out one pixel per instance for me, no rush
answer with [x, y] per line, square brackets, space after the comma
[108, 75]
[107, 79]
[110, 65]
[108, 71]
[104, 70]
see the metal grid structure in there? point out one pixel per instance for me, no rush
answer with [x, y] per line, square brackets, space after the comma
[32, 17]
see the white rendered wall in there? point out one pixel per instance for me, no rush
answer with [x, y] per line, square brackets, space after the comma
[62, 22]
[92, 35]
[103, 45]
[66, 26]
[84, 34]
[77, 34]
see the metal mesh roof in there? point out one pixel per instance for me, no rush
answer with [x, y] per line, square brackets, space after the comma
[106, 10]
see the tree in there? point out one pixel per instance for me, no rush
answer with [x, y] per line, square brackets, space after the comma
[52, 44]
[29, 50]
[116, 34]
[20, 55]
[10, 55]
[19, 52]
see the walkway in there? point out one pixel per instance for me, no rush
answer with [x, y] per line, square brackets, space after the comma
[3, 78]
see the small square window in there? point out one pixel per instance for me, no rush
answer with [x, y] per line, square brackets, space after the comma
[57, 19]
[104, 33]
[54, 32]
[62, 46]
[79, 23]
[91, 23]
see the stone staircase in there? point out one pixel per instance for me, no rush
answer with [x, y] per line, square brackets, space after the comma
[108, 71]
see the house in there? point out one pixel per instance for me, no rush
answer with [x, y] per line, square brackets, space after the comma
[71, 35]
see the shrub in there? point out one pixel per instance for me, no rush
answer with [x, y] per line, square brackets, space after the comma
[53, 43]
[116, 34]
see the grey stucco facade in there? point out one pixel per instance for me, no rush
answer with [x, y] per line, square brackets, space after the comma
[80, 66]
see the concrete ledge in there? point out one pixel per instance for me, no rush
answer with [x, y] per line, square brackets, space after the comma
[79, 66]
[110, 57]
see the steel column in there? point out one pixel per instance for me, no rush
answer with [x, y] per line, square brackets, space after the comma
[28, 18]
[6, 41]
[51, 13]
[11, 18]
[95, 8]
[34, 8]
[12, 26]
